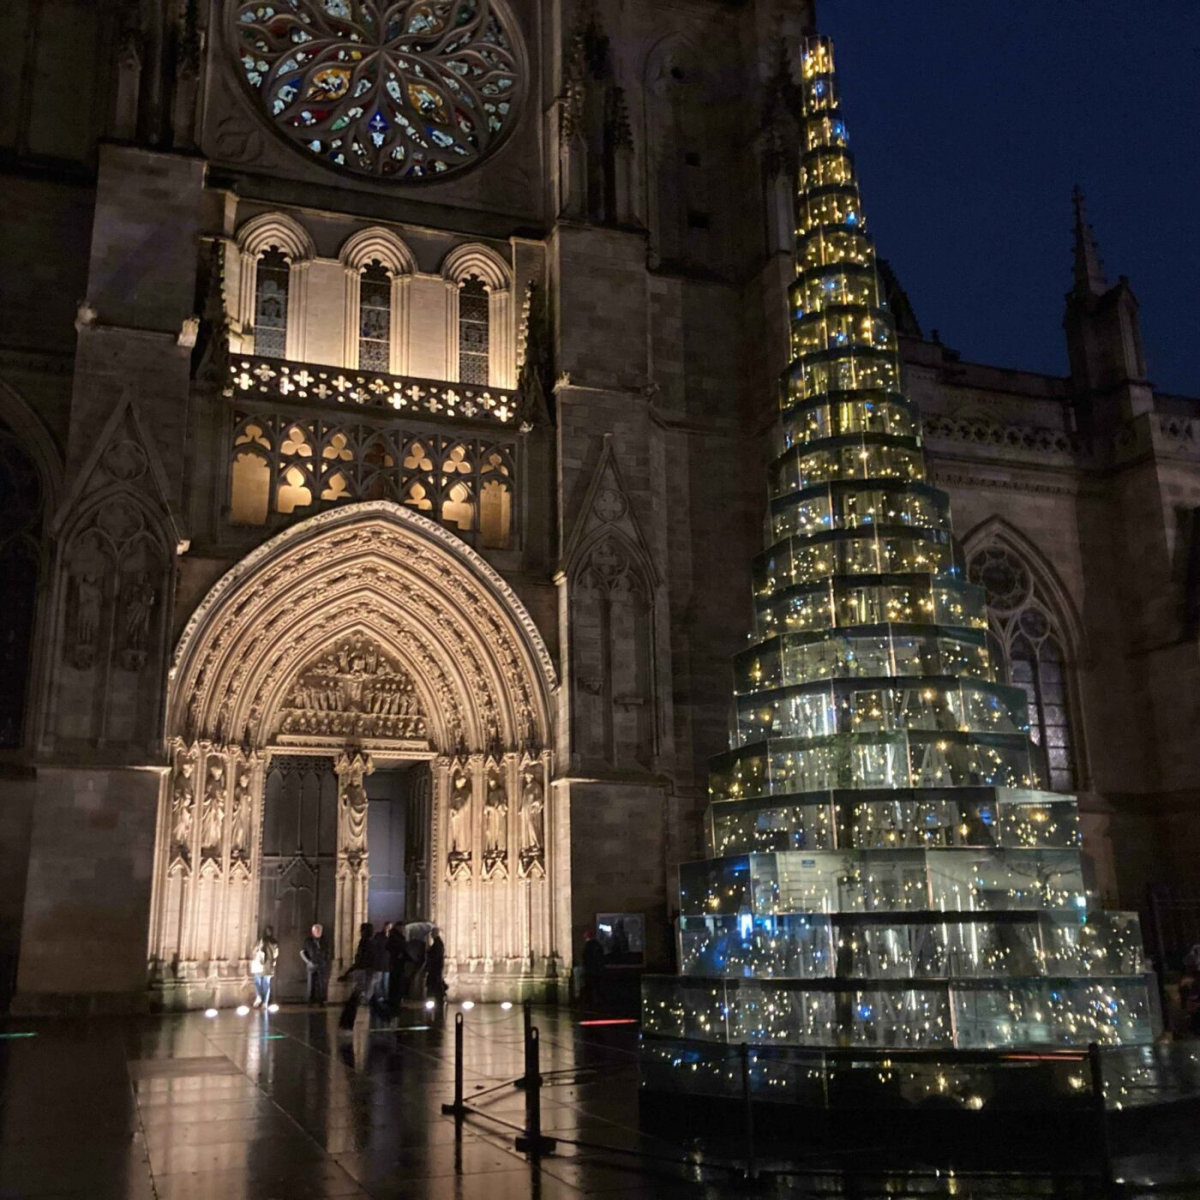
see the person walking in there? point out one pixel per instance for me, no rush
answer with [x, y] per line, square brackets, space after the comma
[435, 967]
[384, 951]
[397, 965]
[316, 964]
[591, 994]
[417, 945]
[362, 975]
[262, 966]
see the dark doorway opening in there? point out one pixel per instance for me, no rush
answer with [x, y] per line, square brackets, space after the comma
[386, 829]
[299, 861]
[398, 835]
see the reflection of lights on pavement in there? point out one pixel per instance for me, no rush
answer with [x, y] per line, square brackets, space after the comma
[467, 1005]
[210, 1012]
[506, 1005]
[272, 1008]
[430, 1005]
[243, 1010]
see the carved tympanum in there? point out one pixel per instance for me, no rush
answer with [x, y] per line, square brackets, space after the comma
[354, 690]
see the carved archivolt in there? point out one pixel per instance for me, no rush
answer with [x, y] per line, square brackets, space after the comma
[371, 621]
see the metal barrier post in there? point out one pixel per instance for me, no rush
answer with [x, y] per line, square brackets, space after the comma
[748, 1108]
[526, 1026]
[532, 1142]
[458, 1108]
[1097, 1072]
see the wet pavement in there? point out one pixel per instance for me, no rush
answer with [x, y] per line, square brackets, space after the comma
[284, 1106]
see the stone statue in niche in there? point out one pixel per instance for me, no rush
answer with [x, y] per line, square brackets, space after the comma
[183, 803]
[212, 815]
[459, 858]
[533, 827]
[139, 605]
[239, 815]
[88, 600]
[351, 774]
[495, 823]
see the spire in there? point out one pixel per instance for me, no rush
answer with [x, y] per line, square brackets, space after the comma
[1089, 270]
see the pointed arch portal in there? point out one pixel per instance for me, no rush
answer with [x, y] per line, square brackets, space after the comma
[367, 637]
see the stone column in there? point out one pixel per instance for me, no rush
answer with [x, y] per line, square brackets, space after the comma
[353, 875]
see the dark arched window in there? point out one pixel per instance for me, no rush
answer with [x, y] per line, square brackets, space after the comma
[1027, 652]
[21, 502]
[375, 319]
[271, 304]
[474, 332]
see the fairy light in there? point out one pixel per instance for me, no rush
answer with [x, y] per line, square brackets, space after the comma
[884, 873]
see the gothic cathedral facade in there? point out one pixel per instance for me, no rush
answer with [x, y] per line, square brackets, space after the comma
[386, 393]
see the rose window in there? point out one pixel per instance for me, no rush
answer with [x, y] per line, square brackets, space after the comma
[404, 90]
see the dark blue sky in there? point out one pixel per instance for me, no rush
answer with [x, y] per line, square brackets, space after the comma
[971, 120]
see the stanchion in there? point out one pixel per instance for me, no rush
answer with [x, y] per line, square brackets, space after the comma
[458, 1108]
[527, 1026]
[748, 1112]
[531, 1141]
[1097, 1072]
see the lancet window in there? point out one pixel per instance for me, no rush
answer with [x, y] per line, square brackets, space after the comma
[1027, 650]
[293, 467]
[271, 288]
[375, 319]
[474, 332]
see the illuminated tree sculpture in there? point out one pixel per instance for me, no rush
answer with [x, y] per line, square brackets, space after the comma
[886, 871]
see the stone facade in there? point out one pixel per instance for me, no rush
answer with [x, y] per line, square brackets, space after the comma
[524, 506]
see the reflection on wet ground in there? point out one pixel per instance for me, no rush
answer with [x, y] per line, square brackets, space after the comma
[283, 1106]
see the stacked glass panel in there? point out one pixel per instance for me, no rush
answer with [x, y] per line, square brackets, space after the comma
[886, 871]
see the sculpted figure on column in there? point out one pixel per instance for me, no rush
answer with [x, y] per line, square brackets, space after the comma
[459, 858]
[88, 598]
[213, 812]
[183, 802]
[239, 816]
[139, 604]
[533, 806]
[352, 771]
[495, 822]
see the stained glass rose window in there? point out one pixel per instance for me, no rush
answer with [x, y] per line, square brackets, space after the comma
[404, 90]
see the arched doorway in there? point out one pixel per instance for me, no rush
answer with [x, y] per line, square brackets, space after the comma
[365, 640]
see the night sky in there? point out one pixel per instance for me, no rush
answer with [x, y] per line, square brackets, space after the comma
[970, 122]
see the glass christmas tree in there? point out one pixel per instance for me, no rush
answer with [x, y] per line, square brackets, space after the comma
[886, 872]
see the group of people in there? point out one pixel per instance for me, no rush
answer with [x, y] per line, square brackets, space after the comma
[387, 969]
